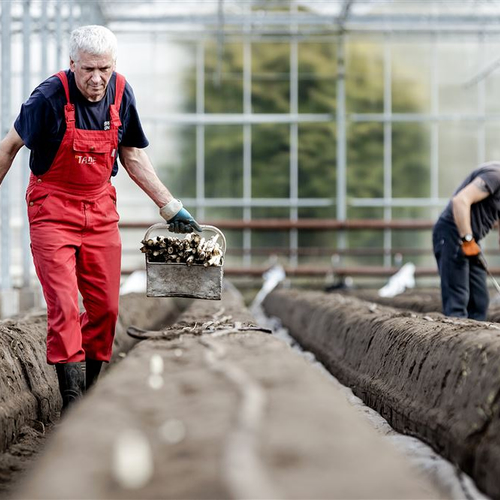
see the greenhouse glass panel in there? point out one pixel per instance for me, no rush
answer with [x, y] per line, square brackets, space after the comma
[490, 75]
[410, 160]
[365, 160]
[317, 243]
[223, 161]
[411, 76]
[177, 167]
[170, 70]
[413, 245]
[368, 244]
[270, 161]
[317, 160]
[270, 239]
[270, 77]
[457, 63]
[327, 212]
[365, 75]
[224, 78]
[492, 142]
[457, 155]
[317, 77]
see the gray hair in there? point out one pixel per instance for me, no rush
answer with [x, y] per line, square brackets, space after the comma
[93, 39]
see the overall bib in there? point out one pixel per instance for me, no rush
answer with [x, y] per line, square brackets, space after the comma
[75, 241]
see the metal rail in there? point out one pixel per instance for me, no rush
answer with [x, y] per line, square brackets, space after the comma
[306, 224]
[304, 271]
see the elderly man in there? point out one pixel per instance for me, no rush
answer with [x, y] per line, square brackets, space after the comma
[76, 124]
[469, 216]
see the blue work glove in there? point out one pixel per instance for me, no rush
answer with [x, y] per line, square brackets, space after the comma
[183, 222]
[178, 218]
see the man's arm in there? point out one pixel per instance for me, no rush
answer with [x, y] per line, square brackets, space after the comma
[138, 166]
[463, 200]
[9, 147]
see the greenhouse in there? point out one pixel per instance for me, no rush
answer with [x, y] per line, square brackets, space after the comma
[285, 112]
[323, 140]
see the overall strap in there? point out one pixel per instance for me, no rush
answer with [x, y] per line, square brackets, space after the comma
[114, 109]
[69, 109]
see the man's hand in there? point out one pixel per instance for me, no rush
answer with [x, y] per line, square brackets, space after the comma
[471, 248]
[183, 222]
[178, 218]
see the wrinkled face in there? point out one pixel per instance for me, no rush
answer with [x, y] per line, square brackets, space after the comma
[92, 74]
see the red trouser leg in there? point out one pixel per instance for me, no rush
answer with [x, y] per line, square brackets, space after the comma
[98, 271]
[77, 245]
[55, 264]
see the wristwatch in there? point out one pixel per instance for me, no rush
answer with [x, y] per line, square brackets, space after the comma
[467, 238]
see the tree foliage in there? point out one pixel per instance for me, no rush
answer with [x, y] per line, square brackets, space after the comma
[317, 89]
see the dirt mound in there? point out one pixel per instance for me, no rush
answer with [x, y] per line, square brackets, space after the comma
[433, 377]
[216, 408]
[29, 394]
[423, 301]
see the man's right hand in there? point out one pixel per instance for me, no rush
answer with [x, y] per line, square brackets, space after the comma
[471, 248]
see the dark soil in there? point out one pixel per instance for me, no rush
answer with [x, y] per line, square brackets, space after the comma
[29, 394]
[257, 421]
[16, 462]
[419, 300]
[433, 377]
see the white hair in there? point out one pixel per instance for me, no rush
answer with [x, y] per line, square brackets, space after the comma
[93, 39]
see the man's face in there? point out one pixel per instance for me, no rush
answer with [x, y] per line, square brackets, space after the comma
[92, 74]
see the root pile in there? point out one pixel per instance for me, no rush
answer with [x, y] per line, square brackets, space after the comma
[190, 250]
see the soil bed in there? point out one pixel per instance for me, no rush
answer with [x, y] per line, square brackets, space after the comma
[29, 394]
[423, 301]
[430, 376]
[218, 408]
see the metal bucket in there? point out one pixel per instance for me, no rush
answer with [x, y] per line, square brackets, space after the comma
[167, 279]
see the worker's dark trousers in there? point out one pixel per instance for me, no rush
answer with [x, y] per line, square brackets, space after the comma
[463, 281]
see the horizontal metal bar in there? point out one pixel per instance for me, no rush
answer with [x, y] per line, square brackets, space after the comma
[330, 21]
[318, 251]
[421, 118]
[264, 118]
[237, 118]
[369, 271]
[285, 35]
[304, 224]
[259, 202]
[328, 251]
[398, 202]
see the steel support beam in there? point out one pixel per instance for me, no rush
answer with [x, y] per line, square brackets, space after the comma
[5, 203]
[247, 143]
[25, 238]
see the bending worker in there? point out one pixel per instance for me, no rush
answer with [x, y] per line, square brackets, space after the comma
[469, 216]
[76, 124]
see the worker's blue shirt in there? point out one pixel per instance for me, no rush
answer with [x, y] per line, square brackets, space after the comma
[41, 123]
[486, 212]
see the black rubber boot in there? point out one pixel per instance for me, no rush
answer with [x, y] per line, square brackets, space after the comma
[71, 383]
[92, 370]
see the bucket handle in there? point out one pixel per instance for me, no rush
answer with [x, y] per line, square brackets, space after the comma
[162, 225]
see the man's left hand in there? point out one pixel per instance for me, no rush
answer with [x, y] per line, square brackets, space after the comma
[183, 222]
[178, 218]
[471, 248]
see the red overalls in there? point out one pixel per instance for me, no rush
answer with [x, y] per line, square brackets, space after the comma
[75, 240]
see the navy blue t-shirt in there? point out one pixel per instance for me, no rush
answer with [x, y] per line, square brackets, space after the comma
[486, 212]
[41, 123]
